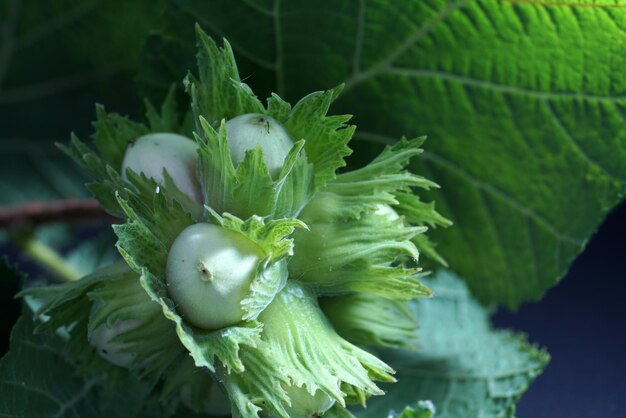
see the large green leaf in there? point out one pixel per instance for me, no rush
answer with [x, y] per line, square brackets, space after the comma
[35, 170]
[39, 379]
[466, 368]
[523, 104]
[56, 59]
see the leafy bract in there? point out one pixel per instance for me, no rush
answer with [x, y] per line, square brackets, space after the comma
[384, 187]
[355, 236]
[529, 152]
[466, 368]
[155, 219]
[299, 347]
[370, 320]
[144, 241]
[113, 133]
[210, 94]
[152, 344]
[203, 346]
[366, 188]
[326, 136]
[319, 149]
[357, 255]
[111, 294]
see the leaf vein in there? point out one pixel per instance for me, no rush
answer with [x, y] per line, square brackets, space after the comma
[503, 88]
[575, 145]
[411, 40]
[257, 8]
[43, 393]
[358, 44]
[502, 196]
[43, 347]
[207, 23]
[443, 375]
[8, 38]
[533, 253]
[56, 23]
[508, 275]
[278, 39]
[47, 88]
[76, 398]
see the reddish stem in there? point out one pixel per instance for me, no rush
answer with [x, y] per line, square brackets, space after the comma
[37, 213]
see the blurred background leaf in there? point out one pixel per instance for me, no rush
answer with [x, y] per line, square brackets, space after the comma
[38, 377]
[57, 58]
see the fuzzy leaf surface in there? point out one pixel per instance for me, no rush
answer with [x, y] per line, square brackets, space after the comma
[464, 366]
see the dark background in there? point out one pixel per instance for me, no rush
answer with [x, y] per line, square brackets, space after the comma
[581, 322]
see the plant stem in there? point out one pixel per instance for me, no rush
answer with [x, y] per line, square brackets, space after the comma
[44, 255]
[65, 210]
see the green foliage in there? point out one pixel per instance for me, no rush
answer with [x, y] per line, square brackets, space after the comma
[57, 56]
[305, 352]
[40, 378]
[113, 133]
[371, 320]
[284, 340]
[320, 148]
[210, 93]
[466, 368]
[119, 296]
[529, 152]
[517, 215]
[271, 274]
[424, 409]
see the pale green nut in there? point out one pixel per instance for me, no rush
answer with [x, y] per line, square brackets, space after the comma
[387, 212]
[102, 340]
[252, 129]
[305, 405]
[177, 154]
[209, 272]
